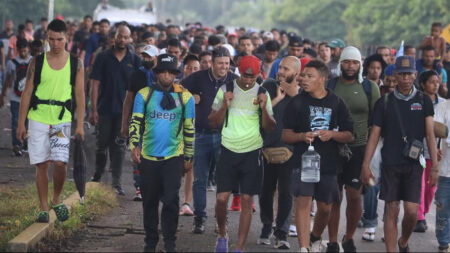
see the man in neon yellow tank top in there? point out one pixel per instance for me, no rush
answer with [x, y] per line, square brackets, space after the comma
[49, 113]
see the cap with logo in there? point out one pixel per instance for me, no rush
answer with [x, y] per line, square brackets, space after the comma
[249, 65]
[405, 64]
[167, 62]
[150, 50]
[337, 43]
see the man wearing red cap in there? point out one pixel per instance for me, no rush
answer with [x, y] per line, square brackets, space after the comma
[243, 107]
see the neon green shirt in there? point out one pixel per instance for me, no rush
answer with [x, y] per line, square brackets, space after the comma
[242, 133]
[54, 85]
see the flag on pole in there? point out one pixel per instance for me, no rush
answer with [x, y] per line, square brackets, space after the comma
[400, 49]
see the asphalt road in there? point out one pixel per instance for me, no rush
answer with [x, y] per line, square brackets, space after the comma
[99, 238]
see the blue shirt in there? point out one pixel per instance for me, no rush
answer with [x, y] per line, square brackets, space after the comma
[90, 47]
[274, 69]
[114, 76]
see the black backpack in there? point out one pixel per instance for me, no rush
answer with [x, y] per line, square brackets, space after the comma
[230, 88]
[21, 73]
[367, 87]
[65, 105]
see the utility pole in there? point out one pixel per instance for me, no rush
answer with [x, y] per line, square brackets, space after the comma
[51, 5]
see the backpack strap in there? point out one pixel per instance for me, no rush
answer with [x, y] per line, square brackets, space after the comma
[229, 88]
[15, 62]
[37, 79]
[332, 83]
[180, 125]
[367, 87]
[261, 90]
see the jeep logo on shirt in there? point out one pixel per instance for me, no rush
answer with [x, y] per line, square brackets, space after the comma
[163, 115]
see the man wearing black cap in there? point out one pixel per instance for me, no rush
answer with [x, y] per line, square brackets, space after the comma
[203, 85]
[164, 113]
[402, 153]
[295, 48]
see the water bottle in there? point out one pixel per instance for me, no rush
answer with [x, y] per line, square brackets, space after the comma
[310, 166]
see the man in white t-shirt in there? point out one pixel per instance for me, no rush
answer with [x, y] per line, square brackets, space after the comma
[16, 70]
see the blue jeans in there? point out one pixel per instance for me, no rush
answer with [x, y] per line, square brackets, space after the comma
[14, 118]
[207, 148]
[370, 215]
[442, 200]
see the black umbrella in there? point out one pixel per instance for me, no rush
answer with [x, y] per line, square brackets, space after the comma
[79, 167]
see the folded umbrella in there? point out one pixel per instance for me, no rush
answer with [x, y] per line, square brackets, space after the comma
[79, 167]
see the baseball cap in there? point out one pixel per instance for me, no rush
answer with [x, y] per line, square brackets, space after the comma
[150, 50]
[389, 70]
[405, 64]
[295, 41]
[167, 62]
[249, 65]
[337, 43]
[232, 34]
[268, 35]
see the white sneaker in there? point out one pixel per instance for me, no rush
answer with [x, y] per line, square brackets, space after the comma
[281, 244]
[186, 210]
[317, 246]
[292, 231]
[303, 249]
[263, 241]
[369, 234]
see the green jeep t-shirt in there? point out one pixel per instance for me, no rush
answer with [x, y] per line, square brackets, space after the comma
[242, 133]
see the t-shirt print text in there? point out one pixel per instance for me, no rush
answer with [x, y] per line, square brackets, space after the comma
[416, 107]
[319, 117]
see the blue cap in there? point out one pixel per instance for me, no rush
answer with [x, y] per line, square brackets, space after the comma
[389, 70]
[405, 64]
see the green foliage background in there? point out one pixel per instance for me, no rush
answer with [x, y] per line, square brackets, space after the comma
[361, 23]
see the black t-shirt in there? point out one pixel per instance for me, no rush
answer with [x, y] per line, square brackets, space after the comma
[203, 83]
[138, 80]
[413, 113]
[273, 139]
[305, 114]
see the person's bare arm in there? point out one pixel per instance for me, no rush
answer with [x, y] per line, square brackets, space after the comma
[432, 147]
[2, 55]
[6, 86]
[425, 42]
[216, 118]
[25, 101]
[341, 137]
[126, 112]
[288, 136]
[80, 98]
[95, 84]
[372, 143]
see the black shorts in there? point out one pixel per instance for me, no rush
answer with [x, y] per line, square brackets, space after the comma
[401, 183]
[243, 171]
[326, 190]
[351, 170]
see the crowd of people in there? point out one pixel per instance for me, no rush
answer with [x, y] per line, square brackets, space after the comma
[233, 112]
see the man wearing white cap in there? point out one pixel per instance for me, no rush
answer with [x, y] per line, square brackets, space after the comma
[360, 96]
[141, 78]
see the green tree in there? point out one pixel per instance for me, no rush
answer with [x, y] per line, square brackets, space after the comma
[318, 20]
[373, 22]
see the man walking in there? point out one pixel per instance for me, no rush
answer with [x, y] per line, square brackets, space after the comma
[110, 76]
[402, 153]
[245, 108]
[54, 80]
[164, 113]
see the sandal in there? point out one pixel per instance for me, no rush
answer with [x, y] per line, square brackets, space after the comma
[61, 211]
[43, 217]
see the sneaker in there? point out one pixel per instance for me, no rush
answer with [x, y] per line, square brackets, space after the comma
[186, 210]
[17, 151]
[349, 245]
[266, 233]
[420, 226]
[119, 190]
[369, 235]
[211, 188]
[303, 249]
[236, 203]
[61, 211]
[402, 249]
[292, 231]
[316, 243]
[96, 177]
[444, 249]
[221, 244]
[333, 247]
[138, 196]
[199, 226]
[43, 217]
[281, 243]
